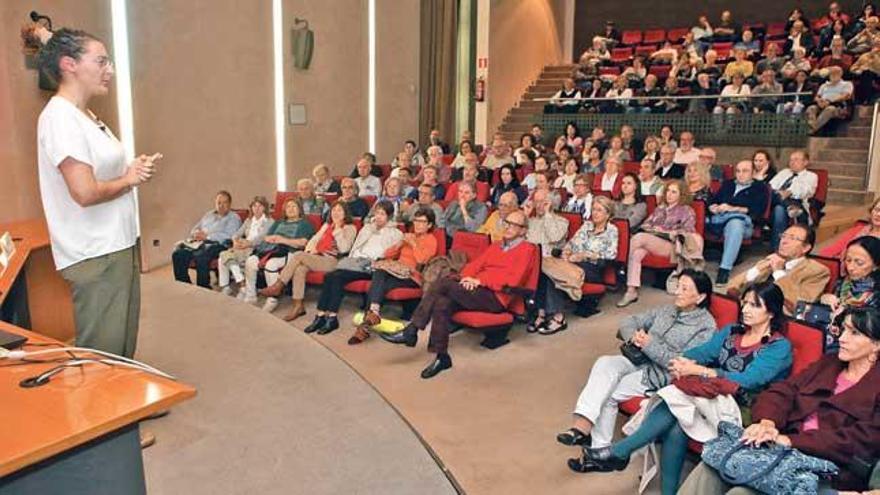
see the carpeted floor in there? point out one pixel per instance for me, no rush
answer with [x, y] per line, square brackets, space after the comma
[491, 420]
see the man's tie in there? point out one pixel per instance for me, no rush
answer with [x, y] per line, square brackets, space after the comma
[785, 185]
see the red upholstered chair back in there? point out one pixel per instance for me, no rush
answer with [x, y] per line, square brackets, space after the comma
[575, 220]
[517, 304]
[822, 185]
[448, 159]
[654, 36]
[315, 220]
[650, 203]
[330, 198]
[631, 167]
[242, 213]
[727, 171]
[440, 235]
[677, 34]
[371, 200]
[724, 309]
[807, 344]
[358, 223]
[631, 37]
[833, 265]
[280, 198]
[386, 171]
[700, 212]
[470, 244]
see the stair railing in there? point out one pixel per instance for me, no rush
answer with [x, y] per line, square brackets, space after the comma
[872, 175]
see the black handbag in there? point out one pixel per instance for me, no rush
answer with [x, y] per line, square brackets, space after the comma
[635, 355]
[815, 314]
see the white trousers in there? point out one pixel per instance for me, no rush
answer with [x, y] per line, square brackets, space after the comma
[613, 379]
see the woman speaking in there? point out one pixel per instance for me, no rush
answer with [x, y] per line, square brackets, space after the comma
[86, 189]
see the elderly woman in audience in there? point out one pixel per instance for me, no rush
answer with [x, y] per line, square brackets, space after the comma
[859, 285]
[566, 180]
[672, 217]
[609, 180]
[543, 182]
[734, 212]
[871, 228]
[631, 207]
[829, 410]
[751, 355]
[581, 199]
[650, 184]
[494, 226]
[464, 148]
[658, 335]
[251, 233]
[403, 164]
[288, 234]
[508, 182]
[371, 244]
[652, 148]
[409, 156]
[333, 240]
[356, 205]
[324, 183]
[732, 97]
[764, 169]
[305, 193]
[591, 248]
[392, 193]
[591, 58]
[698, 181]
[399, 268]
[428, 175]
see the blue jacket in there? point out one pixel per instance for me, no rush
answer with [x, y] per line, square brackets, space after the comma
[772, 362]
[753, 197]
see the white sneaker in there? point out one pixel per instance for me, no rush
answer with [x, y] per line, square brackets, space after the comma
[226, 291]
[249, 299]
[270, 304]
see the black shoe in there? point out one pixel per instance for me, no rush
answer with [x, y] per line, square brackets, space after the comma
[317, 323]
[330, 323]
[409, 336]
[572, 437]
[602, 460]
[723, 276]
[442, 362]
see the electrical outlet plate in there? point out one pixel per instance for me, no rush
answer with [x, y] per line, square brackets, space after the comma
[296, 114]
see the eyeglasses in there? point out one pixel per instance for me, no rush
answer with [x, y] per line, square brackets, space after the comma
[348, 187]
[508, 223]
[104, 62]
[576, 184]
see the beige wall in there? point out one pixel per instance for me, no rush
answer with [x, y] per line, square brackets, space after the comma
[21, 101]
[524, 36]
[203, 96]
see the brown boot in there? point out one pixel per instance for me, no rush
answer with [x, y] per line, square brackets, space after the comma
[273, 290]
[361, 333]
[296, 310]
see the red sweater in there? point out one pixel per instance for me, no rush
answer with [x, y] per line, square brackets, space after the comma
[495, 268]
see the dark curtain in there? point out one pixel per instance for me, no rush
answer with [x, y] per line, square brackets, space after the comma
[439, 19]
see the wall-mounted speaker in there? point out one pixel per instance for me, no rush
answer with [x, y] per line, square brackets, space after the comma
[303, 44]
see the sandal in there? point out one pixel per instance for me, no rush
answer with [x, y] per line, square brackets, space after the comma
[572, 437]
[536, 324]
[553, 326]
[360, 335]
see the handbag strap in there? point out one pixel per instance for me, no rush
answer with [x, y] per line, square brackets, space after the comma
[757, 474]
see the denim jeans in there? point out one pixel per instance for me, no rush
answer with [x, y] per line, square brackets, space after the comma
[735, 227]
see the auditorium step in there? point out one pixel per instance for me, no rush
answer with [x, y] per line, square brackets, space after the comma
[845, 156]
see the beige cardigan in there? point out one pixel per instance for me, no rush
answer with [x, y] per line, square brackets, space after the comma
[344, 238]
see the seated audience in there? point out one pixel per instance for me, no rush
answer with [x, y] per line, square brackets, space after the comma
[368, 185]
[636, 72]
[469, 174]
[541, 167]
[435, 159]
[288, 234]
[767, 89]
[671, 105]
[332, 241]
[651, 148]
[703, 87]
[305, 193]
[589, 61]
[764, 169]
[740, 65]
[615, 149]
[428, 175]
[374, 169]
[494, 225]
[772, 60]
[707, 160]
[591, 161]
[710, 66]
[672, 217]
[698, 181]
[405, 178]
[498, 155]
[621, 93]
[868, 38]
[799, 38]
[631, 144]
[355, 204]
[466, 213]
[434, 139]
[609, 180]
[581, 199]
[631, 207]
[836, 57]
[832, 100]
[401, 163]
[398, 268]
[546, 228]
[206, 240]
[411, 149]
[391, 193]
[871, 228]
[798, 62]
[527, 142]
[539, 140]
[661, 334]
[251, 233]
[508, 182]
[829, 410]
[750, 355]
[727, 30]
[464, 148]
[731, 100]
[667, 54]
[748, 44]
[666, 167]
[734, 212]
[799, 277]
[667, 136]
[611, 36]
[686, 152]
[651, 185]
[867, 71]
[793, 188]
[566, 180]
[703, 32]
[566, 100]
[371, 244]
[591, 248]
[424, 200]
[573, 138]
[324, 183]
[596, 90]
[858, 286]
[479, 288]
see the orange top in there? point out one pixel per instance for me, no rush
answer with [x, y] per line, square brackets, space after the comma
[413, 256]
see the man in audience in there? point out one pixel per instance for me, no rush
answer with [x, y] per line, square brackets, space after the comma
[772, 60]
[767, 86]
[356, 205]
[494, 225]
[546, 229]
[480, 288]
[800, 278]
[667, 168]
[867, 38]
[703, 33]
[643, 101]
[469, 174]
[837, 58]
[206, 240]
[540, 141]
[480, 173]
[748, 44]
[831, 100]
[428, 176]
[704, 87]
[867, 69]
[498, 155]
[686, 152]
[434, 139]
[435, 159]
[707, 161]
[374, 169]
[405, 177]
[649, 183]
[793, 188]
[368, 184]
[799, 37]
[632, 144]
[425, 199]
[466, 213]
[834, 14]
[305, 190]
[727, 29]
[581, 202]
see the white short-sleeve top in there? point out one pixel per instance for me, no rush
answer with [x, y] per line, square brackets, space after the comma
[79, 233]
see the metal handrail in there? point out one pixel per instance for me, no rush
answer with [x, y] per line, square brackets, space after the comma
[871, 146]
[671, 97]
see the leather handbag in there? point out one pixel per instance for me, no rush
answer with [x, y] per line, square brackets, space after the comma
[708, 388]
[771, 468]
[635, 355]
[815, 314]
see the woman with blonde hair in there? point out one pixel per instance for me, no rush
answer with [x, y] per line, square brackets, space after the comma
[698, 181]
[324, 183]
